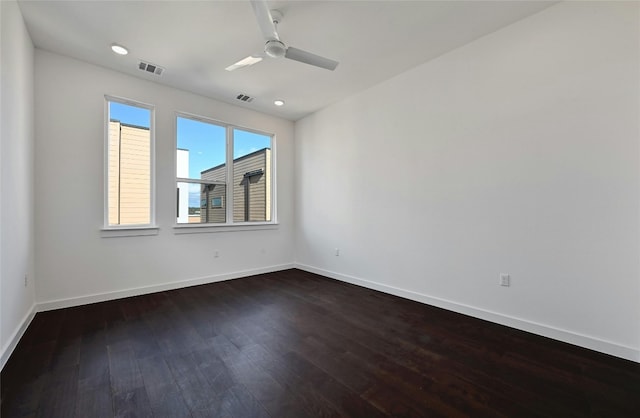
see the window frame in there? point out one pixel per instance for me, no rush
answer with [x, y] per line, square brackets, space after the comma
[132, 229]
[229, 224]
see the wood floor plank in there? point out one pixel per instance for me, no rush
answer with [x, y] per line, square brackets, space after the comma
[296, 344]
[164, 395]
[123, 370]
[95, 403]
[201, 396]
[132, 403]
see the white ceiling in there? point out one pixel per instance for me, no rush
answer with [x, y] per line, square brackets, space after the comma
[195, 40]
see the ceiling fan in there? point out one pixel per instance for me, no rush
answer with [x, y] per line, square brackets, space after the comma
[274, 47]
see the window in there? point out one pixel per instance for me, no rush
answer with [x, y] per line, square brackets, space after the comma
[129, 164]
[200, 170]
[223, 173]
[216, 202]
[251, 176]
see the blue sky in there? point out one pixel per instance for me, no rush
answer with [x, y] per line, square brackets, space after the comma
[130, 114]
[206, 142]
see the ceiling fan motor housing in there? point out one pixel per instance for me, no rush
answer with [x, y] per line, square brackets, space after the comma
[275, 48]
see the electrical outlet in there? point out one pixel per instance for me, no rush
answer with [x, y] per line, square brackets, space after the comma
[216, 253]
[337, 252]
[505, 280]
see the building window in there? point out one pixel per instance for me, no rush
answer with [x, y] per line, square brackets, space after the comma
[217, 163]
[216, 202]
[251, 176]
[129, 164]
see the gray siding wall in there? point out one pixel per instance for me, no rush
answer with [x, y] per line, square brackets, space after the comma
[256, 186]
[210, 214]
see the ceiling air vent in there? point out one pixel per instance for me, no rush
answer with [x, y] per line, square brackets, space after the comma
[150, 68]
[244, 98]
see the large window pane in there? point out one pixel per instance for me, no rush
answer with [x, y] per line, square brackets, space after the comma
[251, 176]
[200, 164]
[129, 165]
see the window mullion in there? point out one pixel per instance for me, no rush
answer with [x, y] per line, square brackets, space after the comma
[230, 180]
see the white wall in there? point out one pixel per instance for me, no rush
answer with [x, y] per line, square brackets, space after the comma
[517, 153]
[73, 261]
[16, 177]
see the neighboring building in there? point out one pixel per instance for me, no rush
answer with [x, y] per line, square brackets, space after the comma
[251, 189]
[129, 189]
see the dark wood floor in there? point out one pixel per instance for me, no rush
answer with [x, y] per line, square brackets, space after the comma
[293, 344]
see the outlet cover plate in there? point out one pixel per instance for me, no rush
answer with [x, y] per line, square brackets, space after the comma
[505, 280]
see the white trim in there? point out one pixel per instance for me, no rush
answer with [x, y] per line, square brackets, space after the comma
[152, 156]
[143, 290]
[206, 228]
[274, 179]
[8, 348]
[105, 164]
[152, 151]
[585, 341]
[136, 231]
[198, 181]
[229, 166]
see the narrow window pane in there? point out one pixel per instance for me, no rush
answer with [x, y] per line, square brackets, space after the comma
[251, 177]
[201, 154]
[129, 165]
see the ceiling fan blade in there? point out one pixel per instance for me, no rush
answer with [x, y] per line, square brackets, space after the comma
[265, 20]
[245, 62]
[311, 59]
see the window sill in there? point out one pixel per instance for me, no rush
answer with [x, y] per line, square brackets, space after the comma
[134, 231]
[207, 228]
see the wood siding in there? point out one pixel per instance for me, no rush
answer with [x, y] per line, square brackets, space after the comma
[129, 188]
[209, 214]
[258, 186]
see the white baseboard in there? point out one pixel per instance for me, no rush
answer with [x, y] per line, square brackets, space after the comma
[16, 336]
[101, 297]
[570, 337]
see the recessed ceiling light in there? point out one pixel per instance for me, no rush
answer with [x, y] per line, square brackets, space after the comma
[119, 49]
[279, 102]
